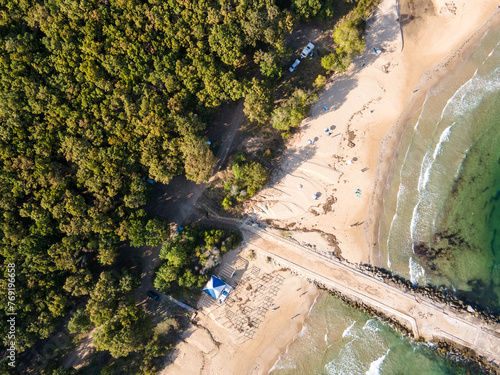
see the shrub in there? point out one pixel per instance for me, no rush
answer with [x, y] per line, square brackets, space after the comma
[252, 255]
[334, 62]
[258, 103]
[306, 9]
[80, 322]
[348, 38]
[291, 112]
[320, 80]
[227, 203]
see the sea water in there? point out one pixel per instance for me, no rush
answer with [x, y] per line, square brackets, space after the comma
[340, 340]
[443, 200]
[441, 216]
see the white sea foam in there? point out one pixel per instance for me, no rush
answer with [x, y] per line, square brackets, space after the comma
[371, 325]
[457, 93]
[421, 112]
[346, 362]
[424, 167]
[393, 222]
[471, 93]
[314, 303]
[302, 332]
[305, 328]
[414, 221]
[425, 197]
[282, 366]
[416, 271]
[347, 331]
[491, 52]
[375, 365]
[445, 137]
[468, 96]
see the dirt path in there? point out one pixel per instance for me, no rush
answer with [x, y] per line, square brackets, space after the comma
[177, 202]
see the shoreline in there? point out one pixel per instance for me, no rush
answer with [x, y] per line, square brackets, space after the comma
[297, 335]
[210, 345]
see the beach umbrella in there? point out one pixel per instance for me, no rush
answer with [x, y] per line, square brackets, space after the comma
[349, 161]
[300, 186]
[315, 196]
[309, 142]
[327, 130]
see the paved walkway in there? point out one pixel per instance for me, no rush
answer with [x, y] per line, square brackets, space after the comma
[427, 319]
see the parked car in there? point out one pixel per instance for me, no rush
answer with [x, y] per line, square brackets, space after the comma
[153, 296]
[306, 51]
[148, 180]
[294, 66]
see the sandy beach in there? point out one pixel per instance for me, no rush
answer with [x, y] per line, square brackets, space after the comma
[209, 347]
[366, 109]
[352, 144]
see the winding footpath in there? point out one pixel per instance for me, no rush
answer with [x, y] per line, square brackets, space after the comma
[427, 319]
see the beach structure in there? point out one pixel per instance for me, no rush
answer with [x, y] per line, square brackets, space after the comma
[217, 289]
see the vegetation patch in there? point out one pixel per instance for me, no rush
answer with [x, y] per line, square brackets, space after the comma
[246, 178]
[189, 258]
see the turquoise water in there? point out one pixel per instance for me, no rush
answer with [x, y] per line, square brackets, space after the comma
[442, 212]
[441, 225]
[338, 339]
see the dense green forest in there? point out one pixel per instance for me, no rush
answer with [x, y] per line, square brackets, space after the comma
[95, 97]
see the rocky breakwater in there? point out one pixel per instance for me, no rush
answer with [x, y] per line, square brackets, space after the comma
[467, 334]
[439, 295]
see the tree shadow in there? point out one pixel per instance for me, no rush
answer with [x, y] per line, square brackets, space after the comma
[378, 35]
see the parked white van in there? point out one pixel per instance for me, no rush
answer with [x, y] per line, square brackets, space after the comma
[306, 51]
[294, 66]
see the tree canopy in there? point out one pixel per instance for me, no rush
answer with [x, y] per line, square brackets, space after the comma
[292, 111]
[96, 97]
[190, 255]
